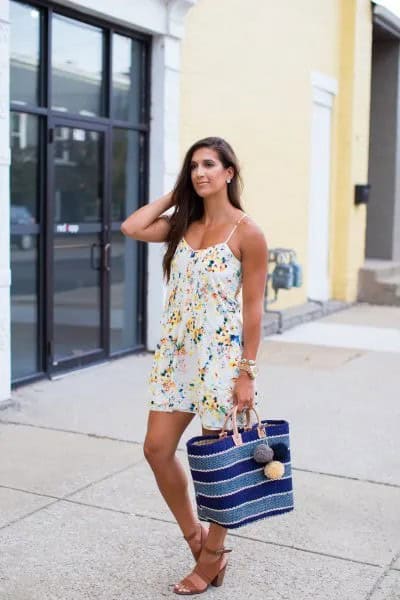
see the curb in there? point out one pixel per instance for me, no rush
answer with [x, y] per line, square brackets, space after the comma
[278, 321]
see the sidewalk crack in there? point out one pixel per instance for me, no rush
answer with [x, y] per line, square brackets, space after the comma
[380, 579]
[182, 450]
[22, 517]
[66, 497]
[280, 545]
[347, 477]
[83, 433]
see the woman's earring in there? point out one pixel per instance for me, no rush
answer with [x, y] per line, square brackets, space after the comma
[228, 181]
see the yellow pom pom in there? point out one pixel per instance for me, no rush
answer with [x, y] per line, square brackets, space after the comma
[274, 469]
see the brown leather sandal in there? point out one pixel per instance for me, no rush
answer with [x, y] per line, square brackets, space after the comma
[210, 573]
[202, 540]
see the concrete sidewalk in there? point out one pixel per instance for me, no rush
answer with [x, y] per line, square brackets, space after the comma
[81, 517]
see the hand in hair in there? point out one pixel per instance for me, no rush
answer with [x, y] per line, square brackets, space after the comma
[146, 224]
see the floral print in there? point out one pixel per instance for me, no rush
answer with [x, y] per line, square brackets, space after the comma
[197, 357]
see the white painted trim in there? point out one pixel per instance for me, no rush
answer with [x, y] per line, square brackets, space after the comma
[144, 15]
[323, 98]
[5, 277]
[176, 10]
[160, 17]
[318, 263]
[324, 82]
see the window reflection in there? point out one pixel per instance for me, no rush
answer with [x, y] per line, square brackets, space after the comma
[77, 67]
[24, 306]
[24, 53]
[124, 252]
[124, 332]
[78, 196]
[126, 79]
[24, 169]
[125, 173]
[24, 244]
[77, 295]
[75, 185]
[78, 175]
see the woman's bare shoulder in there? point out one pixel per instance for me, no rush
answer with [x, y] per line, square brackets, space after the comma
[250, 229]
[254, 251]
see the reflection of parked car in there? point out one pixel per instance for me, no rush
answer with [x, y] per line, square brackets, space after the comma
[20, 215]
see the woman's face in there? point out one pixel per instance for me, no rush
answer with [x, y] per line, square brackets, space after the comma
[209, 175]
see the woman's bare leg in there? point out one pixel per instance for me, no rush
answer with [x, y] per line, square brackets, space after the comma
[164, 431]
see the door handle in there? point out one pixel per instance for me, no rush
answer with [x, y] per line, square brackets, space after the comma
[92, 259]
[107, 256]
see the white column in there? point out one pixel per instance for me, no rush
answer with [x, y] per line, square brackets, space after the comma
[164, 147]
[5, 273]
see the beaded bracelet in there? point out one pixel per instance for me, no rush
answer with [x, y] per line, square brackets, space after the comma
[249, 366]
[247, 361]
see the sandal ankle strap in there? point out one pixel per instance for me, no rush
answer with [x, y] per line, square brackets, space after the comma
[218, 551]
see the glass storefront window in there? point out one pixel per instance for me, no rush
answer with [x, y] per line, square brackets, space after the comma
[126, 76]
[76, 172]
[77, 67]
[124, 252]
[24, 54]
[24, 244]
[24, 306]
[78, 175]
[77, 295]
[78, 200]
[125, 282]
[125, 173]
[24, 169]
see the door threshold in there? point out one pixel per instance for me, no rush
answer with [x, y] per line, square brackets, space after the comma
[68, 372]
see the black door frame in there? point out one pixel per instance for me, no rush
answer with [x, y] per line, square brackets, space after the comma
[47, 118]
[53, 367]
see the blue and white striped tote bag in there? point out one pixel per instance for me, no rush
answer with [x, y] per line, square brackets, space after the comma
[231, 487]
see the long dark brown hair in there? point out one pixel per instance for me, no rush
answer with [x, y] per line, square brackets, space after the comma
[189, 205]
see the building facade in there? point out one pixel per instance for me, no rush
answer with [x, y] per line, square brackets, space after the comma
[289, 84]
[103, 101]
[89, 117]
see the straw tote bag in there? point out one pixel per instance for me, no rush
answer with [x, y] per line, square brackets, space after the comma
[234, 485]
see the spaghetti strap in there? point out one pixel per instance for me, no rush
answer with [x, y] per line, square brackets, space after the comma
[234, 229]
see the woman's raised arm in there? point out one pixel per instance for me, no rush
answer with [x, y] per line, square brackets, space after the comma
[146, 224]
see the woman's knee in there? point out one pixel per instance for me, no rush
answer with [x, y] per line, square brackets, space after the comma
[164, 431]
[155, 451]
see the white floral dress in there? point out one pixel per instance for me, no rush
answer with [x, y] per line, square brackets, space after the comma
[197, 357]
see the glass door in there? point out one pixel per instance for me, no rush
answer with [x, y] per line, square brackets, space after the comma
[79, 245]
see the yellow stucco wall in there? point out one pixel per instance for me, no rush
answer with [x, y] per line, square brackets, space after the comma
[352, 132]
[246, 76]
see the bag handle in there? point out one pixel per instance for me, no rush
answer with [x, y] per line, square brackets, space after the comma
[237, 437]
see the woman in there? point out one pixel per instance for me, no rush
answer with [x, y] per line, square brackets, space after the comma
[214, 252]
